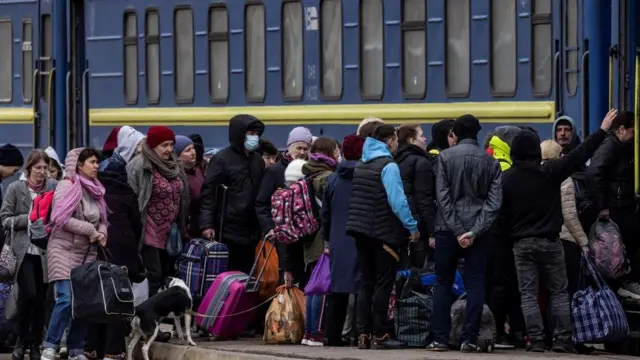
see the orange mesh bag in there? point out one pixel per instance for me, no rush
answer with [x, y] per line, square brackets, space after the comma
[270, 277]
[284, 323]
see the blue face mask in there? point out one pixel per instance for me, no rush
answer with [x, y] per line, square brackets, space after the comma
[251, 142]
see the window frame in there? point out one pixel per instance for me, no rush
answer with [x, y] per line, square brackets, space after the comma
[10, 21]
[411, 26]
[323, 96]
[27, 100]
[218, 37]
[152, 40]
[46, 65]
[363, 96]
[494, 92]
[541, 19]
[130, 41]
[291, 98]
[193, 58]
[568, 49]
[446, 55]
[248, 98]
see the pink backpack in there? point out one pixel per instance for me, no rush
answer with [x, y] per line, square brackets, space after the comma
[294, 213]
[607, 249]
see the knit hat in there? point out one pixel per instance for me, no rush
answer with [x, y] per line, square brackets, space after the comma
[182, 142]
[466, 127]
[159, 134]
[112, 140]
[294, 170]
[11, 156]
[352, 147]
[526, 147]
[299, 134]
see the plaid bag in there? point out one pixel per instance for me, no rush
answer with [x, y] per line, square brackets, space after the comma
[596, 313]
[200, 263]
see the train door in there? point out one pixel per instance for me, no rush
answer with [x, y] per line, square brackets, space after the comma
[622, 54]
[44, 76]
[569, 58]
[79, 77]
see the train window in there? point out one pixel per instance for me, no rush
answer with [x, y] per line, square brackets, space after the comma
[6, 68]
[414, 44]
[255, 48]
[46, 53]
[503, 48]
[331, 38]
[571, 38]
[371, 49]
[218, 54]
[542, 59]
[27, 61]
[458, 55]
[152, 56]
[184, 74]
[130, 57]
[292, 51]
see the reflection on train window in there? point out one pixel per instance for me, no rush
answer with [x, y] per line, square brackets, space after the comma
[218, 54]
[458, 57]
[542, 59]
[46, 53]
[27, 61]
[414, 44]
[292, 51]
[331, 37]
[571, 46]
[503, 48]
[130, 57]
[6, 68]
[152, 56]
[371, 49]
[255, 48]
[184, 72]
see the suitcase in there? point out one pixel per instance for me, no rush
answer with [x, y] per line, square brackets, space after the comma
[200, 263]
[229, 304]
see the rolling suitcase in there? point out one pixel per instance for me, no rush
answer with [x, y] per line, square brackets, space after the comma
[229, 304]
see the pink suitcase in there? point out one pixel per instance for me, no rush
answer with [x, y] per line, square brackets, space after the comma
[229, 303]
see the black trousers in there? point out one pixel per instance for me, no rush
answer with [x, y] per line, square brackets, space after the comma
[159, 266]
[503, 296]
[377, 276]
[107, 339]
[337, 306]
[32, 298]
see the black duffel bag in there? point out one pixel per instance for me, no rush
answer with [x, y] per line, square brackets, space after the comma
[100, 291]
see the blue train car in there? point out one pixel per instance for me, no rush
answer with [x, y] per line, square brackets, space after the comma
[325, 64]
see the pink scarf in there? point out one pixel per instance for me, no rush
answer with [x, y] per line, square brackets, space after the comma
[36, 188]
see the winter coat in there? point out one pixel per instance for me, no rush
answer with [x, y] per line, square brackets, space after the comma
[125, 225]
[15, 212]
[571, 229]
[319, 171]
[241, 173]
[468, 189]
[418, 179]
[335, 212]
[195, 179]
[610, 175]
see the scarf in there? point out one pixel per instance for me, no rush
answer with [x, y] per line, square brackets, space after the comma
[36, 188]
[169, 169]
[324, 158]
[64, 208]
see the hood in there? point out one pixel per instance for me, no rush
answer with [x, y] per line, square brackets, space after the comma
[345, 169]
[506, 133]
[526, 147]
[238, 127]
[114, 182]
[575, 140]
[312, 167]
[439, 134]
[128, 139]
[51, 152]
[407, 150]
[374, 149]
[71, 163]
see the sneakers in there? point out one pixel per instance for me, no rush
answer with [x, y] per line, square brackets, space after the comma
[536, 346]
[468, 347]
[64, 352]
[365, 342]
[78, 357]
[630, 290]
[48, 354]
[436, 346]
[315, 340]
[562, 346]
[386, 342]
[305, 339]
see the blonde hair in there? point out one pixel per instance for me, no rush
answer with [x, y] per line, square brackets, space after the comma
[367, 120]
[550, 150]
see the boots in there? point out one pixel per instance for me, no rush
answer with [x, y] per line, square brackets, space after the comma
[18, 350]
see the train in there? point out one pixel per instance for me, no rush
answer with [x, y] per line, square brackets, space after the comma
[70, 70]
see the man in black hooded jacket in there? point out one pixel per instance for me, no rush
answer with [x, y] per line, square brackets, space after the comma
[239, 168]
[531, 216]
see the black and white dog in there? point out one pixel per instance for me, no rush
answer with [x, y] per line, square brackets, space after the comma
[174, 302]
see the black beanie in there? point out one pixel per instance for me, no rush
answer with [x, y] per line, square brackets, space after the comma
[466, 127]
[526, 147]
[10, 156]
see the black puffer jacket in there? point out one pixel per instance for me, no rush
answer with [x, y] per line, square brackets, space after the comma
[241, 173]
[610, 174]
[418, 179]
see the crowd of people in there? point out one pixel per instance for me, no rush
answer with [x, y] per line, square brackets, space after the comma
[388, 199]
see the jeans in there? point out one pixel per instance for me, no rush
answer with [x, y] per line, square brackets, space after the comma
[377, 276]
[60, 318]
[314, 313]
[540, 259]
[447, 252]
[503, 296]
[31, 301]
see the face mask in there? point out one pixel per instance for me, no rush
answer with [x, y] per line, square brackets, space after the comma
[251, 142]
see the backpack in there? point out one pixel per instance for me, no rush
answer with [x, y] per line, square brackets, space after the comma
[40, 217]
[587, 212]
[295, 212]
[607, 249]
